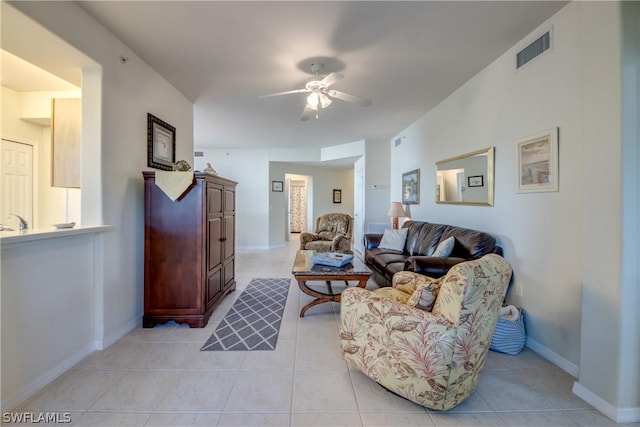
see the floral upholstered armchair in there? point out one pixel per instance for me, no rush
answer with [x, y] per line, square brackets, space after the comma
[426, 339]
[333, 234]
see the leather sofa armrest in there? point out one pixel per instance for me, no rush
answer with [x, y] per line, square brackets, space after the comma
[371, 241]
[431, 266]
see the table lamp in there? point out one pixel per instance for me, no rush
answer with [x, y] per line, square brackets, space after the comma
[396, 210]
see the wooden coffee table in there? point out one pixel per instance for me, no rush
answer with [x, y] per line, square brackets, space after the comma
[305, 271]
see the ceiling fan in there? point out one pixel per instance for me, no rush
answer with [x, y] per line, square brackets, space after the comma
[320, 96]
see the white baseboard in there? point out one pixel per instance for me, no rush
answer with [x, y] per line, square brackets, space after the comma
[553, 357]
[619, 415]
[121, 332]
[12, 401]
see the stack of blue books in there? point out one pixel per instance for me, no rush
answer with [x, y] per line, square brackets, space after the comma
[332, 259]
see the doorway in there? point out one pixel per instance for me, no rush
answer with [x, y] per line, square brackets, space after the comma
[298, 195]
[298, 206]
[17, 182]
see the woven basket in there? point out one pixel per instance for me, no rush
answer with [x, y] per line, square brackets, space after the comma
[509, 336]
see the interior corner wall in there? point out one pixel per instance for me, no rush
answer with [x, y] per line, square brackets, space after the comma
[376, 179]
[250, 169]
[129, 92]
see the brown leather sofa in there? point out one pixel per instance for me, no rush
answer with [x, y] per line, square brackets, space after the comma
[422, 240]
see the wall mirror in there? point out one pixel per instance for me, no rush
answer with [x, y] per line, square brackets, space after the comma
[466, 179]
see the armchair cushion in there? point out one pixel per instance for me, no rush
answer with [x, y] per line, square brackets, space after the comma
[425, 295]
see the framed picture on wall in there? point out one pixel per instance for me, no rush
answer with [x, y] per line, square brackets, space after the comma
[337, 196]
[411, 187]
[161, 143]
[277, 186]
[538, 162]
[475, 181]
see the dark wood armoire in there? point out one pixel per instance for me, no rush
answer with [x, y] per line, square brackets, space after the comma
[189, 250]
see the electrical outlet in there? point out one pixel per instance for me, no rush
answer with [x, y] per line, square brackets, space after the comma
[519, 289]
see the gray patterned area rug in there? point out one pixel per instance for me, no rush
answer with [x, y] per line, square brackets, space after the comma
[253, 322]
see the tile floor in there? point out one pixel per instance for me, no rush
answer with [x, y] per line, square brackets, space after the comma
[158, 377]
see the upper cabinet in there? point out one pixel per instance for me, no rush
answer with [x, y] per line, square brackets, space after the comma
[66, 142]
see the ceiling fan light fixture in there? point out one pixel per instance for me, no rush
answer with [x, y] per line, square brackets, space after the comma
[317, 99]
[312, 100]
[325, 101]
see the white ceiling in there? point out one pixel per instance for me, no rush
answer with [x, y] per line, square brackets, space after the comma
[405, 56]
[22, 76]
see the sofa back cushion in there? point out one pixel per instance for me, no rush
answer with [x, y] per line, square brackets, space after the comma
[469, 243]
[422, 237]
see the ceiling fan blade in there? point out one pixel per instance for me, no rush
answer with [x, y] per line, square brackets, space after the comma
[284, 93]
[307, 113]
[350, 98]
[330, 79]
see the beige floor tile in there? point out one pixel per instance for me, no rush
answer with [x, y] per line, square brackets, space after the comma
[245, 420]
[372, 397]
[413, 419]
[319, 355]
[137, 391]
[261, 392]
[281, 358]
[591, 418]
[504, 391]
[466, 419]
[111, 419]
[351, 419]
[75, 391]
[199, 391]
[536, 419]
[217, 360]
[323, 391]
[173, 420]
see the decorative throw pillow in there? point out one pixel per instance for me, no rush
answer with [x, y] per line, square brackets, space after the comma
[425, 295]
[445, 248]
[394, 239]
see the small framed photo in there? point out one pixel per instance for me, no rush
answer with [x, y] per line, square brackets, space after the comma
[475, 181]
[337, 196]
[411, 187]
[277, 186]
[161, 143]
[538, 162]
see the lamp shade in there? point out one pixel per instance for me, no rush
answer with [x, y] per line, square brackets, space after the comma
[396, 210]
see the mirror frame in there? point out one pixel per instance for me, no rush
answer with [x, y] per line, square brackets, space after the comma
[489, 181]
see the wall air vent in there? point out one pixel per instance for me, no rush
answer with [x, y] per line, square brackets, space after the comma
[533, 50]
[198, 154]
[398, 141]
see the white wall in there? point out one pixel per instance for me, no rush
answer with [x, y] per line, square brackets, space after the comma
[260, 213]
[47, 322]
[125, 94]
[565, 246]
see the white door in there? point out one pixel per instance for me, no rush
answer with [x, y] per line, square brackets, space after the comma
[17, 183]
[358, 205]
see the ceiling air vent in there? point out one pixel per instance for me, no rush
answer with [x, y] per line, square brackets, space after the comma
[535, 49]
